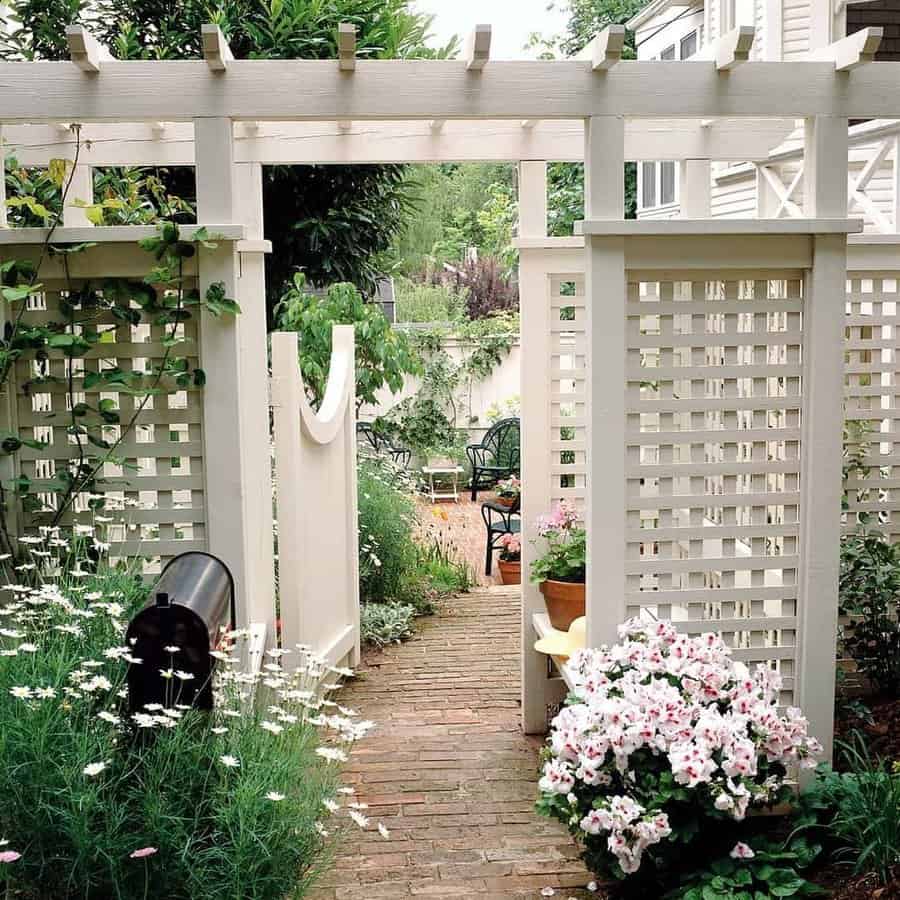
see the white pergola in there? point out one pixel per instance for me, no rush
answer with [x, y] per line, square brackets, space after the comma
[230, 117]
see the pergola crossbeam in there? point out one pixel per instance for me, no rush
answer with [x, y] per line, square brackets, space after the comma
[346, 47]
[730, 49]
[478, 48]
[85, 50]
[216, 51]
[394, 90]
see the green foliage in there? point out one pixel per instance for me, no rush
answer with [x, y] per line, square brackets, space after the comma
[441, 561]
[386, 623]
[428, 421]
[383, 355]
[870, 589]
[860, 811]
[387, 554]
[773, 871]
[565, 196]
[457, 206]
[418, 302]
[330, 221]
[34, 196]
[84, 788]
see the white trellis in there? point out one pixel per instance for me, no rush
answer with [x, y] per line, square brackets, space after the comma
[761, 337]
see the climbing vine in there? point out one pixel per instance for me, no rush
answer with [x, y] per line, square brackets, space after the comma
[427, 421]
[94, 428]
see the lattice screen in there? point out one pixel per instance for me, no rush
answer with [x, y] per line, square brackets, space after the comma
[155, 506]
[568, 374]
[871, 400]
[713, 457]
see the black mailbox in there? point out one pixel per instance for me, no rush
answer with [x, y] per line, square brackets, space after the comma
[189, 605]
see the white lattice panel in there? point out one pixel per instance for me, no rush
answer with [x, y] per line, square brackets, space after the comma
[568, 388]
[154, 498]
[713, 456]
[871, 401]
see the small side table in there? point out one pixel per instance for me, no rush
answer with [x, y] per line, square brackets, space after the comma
[443, 482]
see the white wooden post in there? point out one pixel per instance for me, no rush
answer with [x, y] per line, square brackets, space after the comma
[534, 307]
[235, 403]
[81, 187]
[605, 293]
[694, 188]
[895, 185]
[825, 196]
[2, 180]
[532, 198]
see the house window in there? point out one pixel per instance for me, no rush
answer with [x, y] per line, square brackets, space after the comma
[668, 53]
[666, 182]
[648, 184]
[688, 45]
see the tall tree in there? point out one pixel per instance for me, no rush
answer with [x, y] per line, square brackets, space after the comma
[330, 221]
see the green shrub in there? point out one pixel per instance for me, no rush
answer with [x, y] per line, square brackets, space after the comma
[386, 623]
[860, 811]
[387, 554]
[441, 560]
[417, 302]
[221, 805]
[870, 589]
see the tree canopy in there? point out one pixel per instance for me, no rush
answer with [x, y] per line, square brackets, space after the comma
[331, 222]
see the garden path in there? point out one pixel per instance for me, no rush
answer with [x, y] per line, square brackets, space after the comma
[448, 769]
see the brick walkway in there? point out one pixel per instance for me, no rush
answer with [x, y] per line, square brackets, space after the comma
[448, 770]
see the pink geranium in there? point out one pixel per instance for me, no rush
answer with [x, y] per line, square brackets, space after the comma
[143, 853]
[510, 548]
[9, 856]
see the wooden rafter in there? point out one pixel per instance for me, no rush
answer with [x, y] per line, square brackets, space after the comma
[346, 47]
[85, 50]
[216, 51]
[478, 48]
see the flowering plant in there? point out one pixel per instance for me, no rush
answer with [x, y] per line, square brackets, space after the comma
[99, 802]
[664, 744]
[566, 554]
[510, 548]
[509, 488]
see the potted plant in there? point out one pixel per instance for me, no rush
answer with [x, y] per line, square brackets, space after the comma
[508, 491]
[560, 572]
[510, 562]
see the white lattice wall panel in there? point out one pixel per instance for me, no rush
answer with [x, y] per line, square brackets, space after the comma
[713, 456]
[568, 374]
[155, 492]
[871, 401]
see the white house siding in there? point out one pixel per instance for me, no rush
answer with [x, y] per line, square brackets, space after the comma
[797, 16]
[735, 199]
[758, 50]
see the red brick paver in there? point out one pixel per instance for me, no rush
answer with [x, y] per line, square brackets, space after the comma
[448, 770]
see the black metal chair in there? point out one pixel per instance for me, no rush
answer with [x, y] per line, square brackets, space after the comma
[381, 443]
[496, 457]
[499, 520]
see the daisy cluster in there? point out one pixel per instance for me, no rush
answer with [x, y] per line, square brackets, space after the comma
[61, 611]
[657, 704]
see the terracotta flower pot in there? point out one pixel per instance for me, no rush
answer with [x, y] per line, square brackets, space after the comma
[565, 602]
[505, 501]
[510, 572]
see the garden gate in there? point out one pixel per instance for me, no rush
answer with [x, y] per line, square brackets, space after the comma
[676, 386]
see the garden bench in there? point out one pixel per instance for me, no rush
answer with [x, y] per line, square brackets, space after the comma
[496, 457]
[381, 443]
[499, 520]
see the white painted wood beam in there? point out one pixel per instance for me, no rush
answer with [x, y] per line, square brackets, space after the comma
[400, 90]
[344, 125]
[529, 123]
[607, 48]
[346, 47]
[157, 129]
[85, 50]
[2, 180]
[301, 143]
[478, 48]
[216, 51]
[852, 51]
